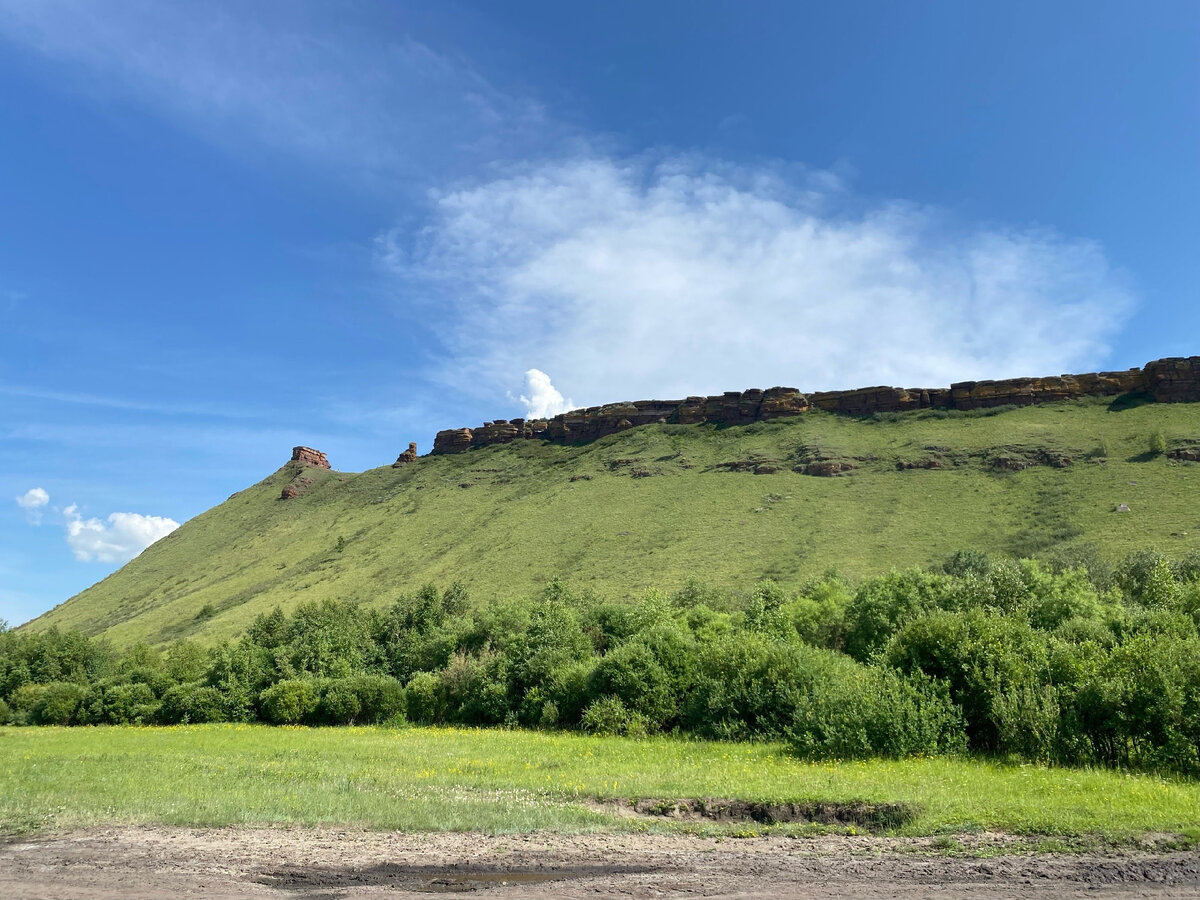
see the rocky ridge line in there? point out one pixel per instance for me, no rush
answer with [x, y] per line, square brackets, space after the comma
[1172, 380]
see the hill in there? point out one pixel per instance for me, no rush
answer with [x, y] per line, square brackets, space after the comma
[656, 505]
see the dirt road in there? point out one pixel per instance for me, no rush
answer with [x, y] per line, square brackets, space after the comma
[325, 864]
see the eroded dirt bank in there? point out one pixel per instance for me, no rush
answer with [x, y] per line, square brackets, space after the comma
[283, 863]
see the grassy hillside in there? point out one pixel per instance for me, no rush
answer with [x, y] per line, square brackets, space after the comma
[656, 505]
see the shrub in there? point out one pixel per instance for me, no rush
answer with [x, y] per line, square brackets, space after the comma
[818, 615]
[967, 562]
[473, 689]
[609, 716]
[5, 713]
[1151, 685]
[380, 697]
[192, 703]
[553, 638]
[339, 703]
[327, 639]
[423, 698]
[633, 676]
[882, 605]
[186, 661]
[863, 711]
[1157, 444]
[608, 625]
[119, 704]
[991, 664]
[57, 703]
[1057, 598]
[764, 612]
[565, 688]
[289, 702]
[23, 699]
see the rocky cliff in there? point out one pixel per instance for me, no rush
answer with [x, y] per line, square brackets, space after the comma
[309, 457]
[1174, 380]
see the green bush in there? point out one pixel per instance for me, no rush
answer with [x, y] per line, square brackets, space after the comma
[609, 716]
[566, 689]
[289, 702]
[881, 605]
[120, 704]
[992, 664]
[473, 690]
[1057, 598]
[863, 711]
[818, 615]
[22, 700]
[339, 703]
[1158, 444]
[380, 697]
[56, 703]
[192, 704]
[423, 695]
[633, 676]
[749, 686]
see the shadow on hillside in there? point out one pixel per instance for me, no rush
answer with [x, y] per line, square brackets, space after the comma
[1130, 400]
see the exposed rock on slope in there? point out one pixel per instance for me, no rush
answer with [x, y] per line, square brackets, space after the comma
[310, 457]
[1166, 381]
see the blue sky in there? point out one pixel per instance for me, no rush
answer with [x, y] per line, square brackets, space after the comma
[231, 227]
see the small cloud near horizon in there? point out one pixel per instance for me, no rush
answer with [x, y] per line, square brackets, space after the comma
[123, 537]
[544, 400]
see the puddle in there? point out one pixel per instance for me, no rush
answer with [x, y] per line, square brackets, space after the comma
[309, 882]
[475, 881]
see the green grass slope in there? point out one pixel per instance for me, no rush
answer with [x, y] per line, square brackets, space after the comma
[657, 505]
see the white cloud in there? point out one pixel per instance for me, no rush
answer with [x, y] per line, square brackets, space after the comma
[33, 501]
[544, 398]
[631, 279]
[312, 80]
[34, 498]
[123, 537]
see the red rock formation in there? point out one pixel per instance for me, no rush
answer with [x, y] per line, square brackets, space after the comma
[309, 457]
[1167, 380]
[409, 455]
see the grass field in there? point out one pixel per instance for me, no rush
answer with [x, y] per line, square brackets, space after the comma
[507, 519]
[512, 781]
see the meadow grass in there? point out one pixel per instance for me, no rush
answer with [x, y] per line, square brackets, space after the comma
[508, 519]
[421, 779]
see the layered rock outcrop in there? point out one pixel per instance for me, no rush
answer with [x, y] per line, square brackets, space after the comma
[309, 457]
[1174, 380]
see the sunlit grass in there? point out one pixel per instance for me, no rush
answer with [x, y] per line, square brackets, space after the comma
[514, 781]
[507, 519]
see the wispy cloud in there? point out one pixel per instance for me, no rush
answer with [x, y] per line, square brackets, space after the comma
[118, 540]
[96, 400]
[637, 278]
[311, 80]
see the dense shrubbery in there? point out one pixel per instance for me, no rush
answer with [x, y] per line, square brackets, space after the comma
[1074, 662]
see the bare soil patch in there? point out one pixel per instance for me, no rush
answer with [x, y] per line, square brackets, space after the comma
[323, 864]
[872, 816]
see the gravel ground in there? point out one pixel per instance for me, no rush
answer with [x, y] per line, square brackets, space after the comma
[153, 862]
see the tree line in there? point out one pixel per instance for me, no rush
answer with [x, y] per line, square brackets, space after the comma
[1072, 664]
